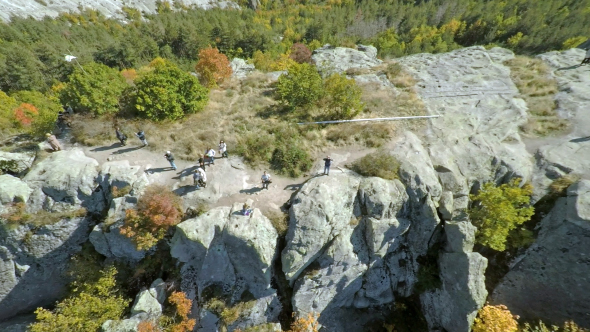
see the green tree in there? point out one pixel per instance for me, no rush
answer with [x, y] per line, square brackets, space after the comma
[301, 86]
[47, 109]
[167, 92]
[7, 105]
[90, 305]
[95, 89]
[342, 97]
[497, 211]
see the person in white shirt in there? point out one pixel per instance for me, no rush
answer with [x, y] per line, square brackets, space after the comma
[223, 149]
[200, 178]
[265, 180]
[211, 156]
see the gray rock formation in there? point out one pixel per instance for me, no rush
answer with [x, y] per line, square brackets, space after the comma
[40, 9]
[228, 254]
[571, 152]
[330, 59]
[32, 263]
[65, 180]
[240, 68]
[107, 239]
[552, 279]
[476, 140]
[146, 307]
[22, 161]
[13, 189]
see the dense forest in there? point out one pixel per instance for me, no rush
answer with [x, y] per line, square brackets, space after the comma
[31, 51]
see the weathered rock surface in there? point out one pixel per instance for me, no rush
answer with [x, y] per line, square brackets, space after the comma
[339, 59]
[122, 175]
[230, 254]
[39, 10]
[108, 240]
[477, 137]
[552, 279]
[571, 152]
[32, 263]
[240, 68]
[65, 180]
[146, 307]
[13, 189]
[22, 161]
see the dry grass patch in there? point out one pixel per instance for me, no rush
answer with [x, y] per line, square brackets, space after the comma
[279, 220]
[538, 88]
[17, 215]
[559, 186]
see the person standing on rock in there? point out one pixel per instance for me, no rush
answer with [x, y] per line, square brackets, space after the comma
[52, 140]
[170, 159]
[141, 135]
[223, 149]
[587, 58]
[266, 180]
[211, 156]
[120, 136]
[327, 164]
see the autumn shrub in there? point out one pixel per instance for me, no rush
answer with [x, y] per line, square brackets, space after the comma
[228, 314]
[300, 53]
[158, 209]
[380, 164]
[497, 210]
[165, 92]
[559, 186]
[147, 326]
[307, 323]
[94, 88]
[177, 320]
[89, 306]
[213, 67]
[342, 98]
[568, 326]
[120, 192]
[301, 86]
[496, 318]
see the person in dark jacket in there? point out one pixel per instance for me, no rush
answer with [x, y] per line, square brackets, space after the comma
[586, 58]
[202, 161]
[120, 136]
[141, 135]
[327, 164]
[170, 159]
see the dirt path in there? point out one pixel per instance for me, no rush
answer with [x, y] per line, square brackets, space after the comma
[229, 179]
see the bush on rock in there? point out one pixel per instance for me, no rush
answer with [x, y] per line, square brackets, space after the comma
[498, 210]
[91, 304]
[495, 318]
[157, 210]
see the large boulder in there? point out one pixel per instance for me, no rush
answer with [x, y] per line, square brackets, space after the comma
[33, 259]
[477, 138]
[552, 278]
[13, 189]
[18, 162]
[106, 237]
[65, 180]
[340, 59]
[240, 68]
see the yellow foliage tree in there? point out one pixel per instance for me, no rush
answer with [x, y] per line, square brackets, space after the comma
[495, 318]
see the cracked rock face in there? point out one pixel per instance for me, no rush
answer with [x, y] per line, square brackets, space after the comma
[230, 255]
[552, 278]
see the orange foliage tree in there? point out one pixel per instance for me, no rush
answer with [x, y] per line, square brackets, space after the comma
[305, 324]
[25, 114]
[183, 308]
[157, 210]
[300, 53]
[213, 66]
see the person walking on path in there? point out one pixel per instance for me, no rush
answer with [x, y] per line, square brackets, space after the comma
[266, 180]
[327, 164]
[120, 136]
[200, 178]
[170, 158]
[587, 58]
[141, 135]
[52, 140]
[211, 156]
[201, 161]
[223, 149]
